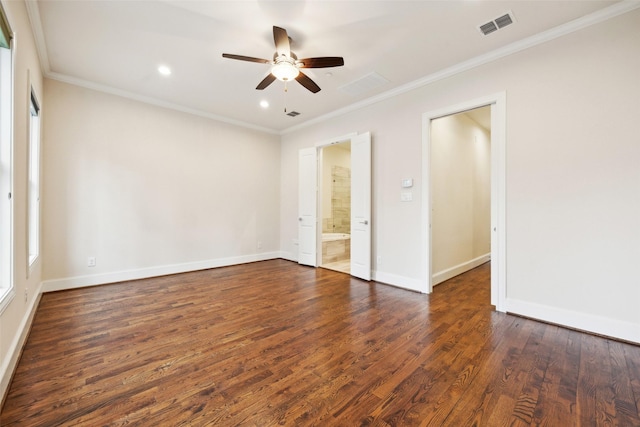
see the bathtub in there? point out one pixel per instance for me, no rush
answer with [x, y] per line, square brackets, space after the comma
[335, 247]
[330, 237]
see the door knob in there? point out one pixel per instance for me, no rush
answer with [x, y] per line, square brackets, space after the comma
[365, 222]
[300, 219]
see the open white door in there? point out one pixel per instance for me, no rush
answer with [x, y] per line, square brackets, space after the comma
[307, 210]
[361, 206]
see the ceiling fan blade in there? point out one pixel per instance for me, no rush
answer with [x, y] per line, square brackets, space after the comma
[245, 58]
[322, 62]
[305, 81]
[266, 81]
[281, 39]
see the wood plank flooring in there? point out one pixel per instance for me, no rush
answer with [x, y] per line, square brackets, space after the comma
[343, 266]
[274, 343]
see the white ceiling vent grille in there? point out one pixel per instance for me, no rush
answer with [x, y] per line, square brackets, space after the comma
[293, 113]
[364, 84]
[497, 24]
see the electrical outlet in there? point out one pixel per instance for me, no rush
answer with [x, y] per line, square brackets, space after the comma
[259, 245]
[91, 261]
[26, 295]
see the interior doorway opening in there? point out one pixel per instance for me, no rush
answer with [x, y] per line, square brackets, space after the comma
[335, 207]
[310, 200]
[460, 193]
[497, 103]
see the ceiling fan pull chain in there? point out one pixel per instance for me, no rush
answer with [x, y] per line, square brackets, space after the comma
[285, 97]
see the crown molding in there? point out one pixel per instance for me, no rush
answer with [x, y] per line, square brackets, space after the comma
[154, 101]
[552, 34]
[594, 18]
[33, 11]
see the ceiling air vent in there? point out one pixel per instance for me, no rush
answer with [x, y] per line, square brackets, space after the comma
[504, 20]
[293, 113]
[497, 23]
[364, 84]
[488, 28]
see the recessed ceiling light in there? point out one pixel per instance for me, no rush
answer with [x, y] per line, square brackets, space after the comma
[164, 70]
[264, 104]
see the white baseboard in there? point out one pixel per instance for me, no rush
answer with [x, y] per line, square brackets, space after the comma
[143, 273]
[399, 281]
[378, 276]
[623, 330]
[619, 329]
[289, 256]
[10, 362]
[447, 274]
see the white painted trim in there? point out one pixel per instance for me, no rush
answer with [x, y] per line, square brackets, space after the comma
[154, 101]
[14, 352]
[397, 281]
[425, 217]
[498, 193]
[289, 256]
[7, 207]
[143, 273]
[537, 39]
[33, 11]
[619, 329]
[6, 296]
[336, 140]
[559, 31]
[456, 270]
[499, 201]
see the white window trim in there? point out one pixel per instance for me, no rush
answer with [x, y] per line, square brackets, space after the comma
[7, 289]
[33, 255]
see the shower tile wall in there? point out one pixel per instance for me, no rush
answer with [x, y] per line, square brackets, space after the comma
[340, 221]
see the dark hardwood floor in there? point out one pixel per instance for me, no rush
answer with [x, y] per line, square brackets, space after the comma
[274, 343]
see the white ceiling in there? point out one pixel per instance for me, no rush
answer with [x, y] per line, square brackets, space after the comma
[117, 46]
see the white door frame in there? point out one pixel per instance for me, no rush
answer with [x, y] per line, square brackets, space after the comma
[361, 206]
[319, 146]
[498, 195]
[308, 206]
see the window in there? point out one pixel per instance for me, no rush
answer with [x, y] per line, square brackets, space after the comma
[34, 179]
[6, 142]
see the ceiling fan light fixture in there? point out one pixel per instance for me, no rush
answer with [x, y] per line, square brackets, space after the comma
[285, 64]
[285, 71]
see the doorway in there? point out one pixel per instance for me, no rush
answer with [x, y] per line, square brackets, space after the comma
[497, 104]
[335, 207]
[460, 193]
[310, 201]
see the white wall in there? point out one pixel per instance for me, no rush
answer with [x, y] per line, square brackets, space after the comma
[15, 318]
[149, 191]
[572, 184]
[460, 195]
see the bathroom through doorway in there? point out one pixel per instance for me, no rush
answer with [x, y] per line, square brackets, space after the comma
[335, 201]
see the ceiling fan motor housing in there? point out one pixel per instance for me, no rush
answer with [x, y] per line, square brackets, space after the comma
[286, 66]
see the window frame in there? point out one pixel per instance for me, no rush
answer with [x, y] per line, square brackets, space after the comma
[7, 105]
[33, 179]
